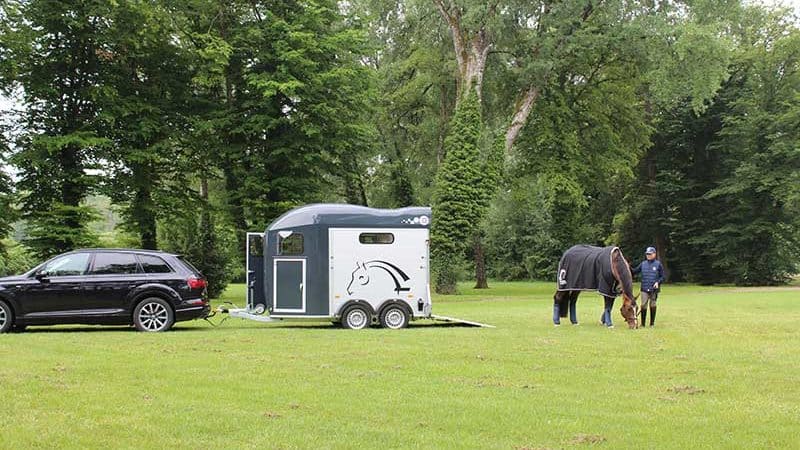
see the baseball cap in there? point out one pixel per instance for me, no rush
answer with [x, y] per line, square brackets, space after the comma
[650, 250]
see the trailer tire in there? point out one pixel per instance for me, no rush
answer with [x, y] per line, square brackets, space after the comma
[356, 317]
[394, 317]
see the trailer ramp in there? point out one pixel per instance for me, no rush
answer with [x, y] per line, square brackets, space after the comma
[243, 313]
[460, 321]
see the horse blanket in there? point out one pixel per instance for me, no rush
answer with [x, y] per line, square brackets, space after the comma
[587, 268]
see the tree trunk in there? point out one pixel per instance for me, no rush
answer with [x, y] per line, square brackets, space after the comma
[471, 52]
[520, 118]
[480, 265]
[143, 207]
[236, 205]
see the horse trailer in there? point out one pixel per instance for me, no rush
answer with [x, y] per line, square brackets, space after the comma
[352, 265]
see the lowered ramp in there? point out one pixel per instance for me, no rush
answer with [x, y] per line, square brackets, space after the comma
[460, 321]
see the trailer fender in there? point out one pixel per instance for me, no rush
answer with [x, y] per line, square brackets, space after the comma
[399, 302]
[363, 303]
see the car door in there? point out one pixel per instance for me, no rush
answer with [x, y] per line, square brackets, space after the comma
[111, 277]
[57, 290]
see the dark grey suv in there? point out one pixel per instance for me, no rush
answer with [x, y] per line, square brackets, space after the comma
[148, 289]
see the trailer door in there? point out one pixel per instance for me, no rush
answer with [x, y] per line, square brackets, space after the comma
[256, 295]
[289, 294]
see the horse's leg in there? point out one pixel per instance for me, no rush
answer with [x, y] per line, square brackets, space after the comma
[556, 307]
[573, 302]
[609, 305]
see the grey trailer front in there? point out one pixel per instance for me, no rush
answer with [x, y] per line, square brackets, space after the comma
[353, 265]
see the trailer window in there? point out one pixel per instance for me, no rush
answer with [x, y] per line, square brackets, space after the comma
[291, 244]
[376, 238]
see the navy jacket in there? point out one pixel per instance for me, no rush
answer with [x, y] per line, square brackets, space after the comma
[652, 272]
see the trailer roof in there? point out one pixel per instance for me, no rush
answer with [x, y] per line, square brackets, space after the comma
[353, 216]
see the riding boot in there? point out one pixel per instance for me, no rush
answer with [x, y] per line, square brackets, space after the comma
[644, 317]
[652, 316]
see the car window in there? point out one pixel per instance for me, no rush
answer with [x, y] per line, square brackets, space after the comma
[114, 264]
[72, 264]
[189, 265]
[154, 264]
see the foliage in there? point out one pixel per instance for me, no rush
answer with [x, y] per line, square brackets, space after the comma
[718, 191]
[54, 46]
[458, 195]
[15, 259]
[671, 124]
[144, 103]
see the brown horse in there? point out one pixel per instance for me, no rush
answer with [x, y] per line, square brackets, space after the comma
[601, 269]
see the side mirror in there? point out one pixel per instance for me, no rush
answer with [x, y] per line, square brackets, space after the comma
[42, 277]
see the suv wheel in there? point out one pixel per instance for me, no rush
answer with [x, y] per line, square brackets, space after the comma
[6, 317]
[356, 318]
[152, 315]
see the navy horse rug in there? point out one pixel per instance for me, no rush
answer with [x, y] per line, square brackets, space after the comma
[588, 268]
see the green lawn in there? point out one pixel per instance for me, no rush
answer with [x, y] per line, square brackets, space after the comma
[721, 370]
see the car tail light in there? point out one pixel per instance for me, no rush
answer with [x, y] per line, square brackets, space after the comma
[197, 283]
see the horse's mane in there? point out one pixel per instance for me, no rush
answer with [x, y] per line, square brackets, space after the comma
[622, 272]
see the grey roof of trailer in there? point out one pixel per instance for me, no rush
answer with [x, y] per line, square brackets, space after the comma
[352, 215]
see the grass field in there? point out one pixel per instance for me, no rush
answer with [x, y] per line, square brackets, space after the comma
[720, 370]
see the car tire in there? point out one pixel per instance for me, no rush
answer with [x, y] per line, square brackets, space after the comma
[6, 317]
[356, 318]
[394, 317]
[153, 315]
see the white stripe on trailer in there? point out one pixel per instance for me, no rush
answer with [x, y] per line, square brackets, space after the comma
[465, 322]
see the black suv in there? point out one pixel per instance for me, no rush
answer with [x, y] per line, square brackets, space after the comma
[151, 290]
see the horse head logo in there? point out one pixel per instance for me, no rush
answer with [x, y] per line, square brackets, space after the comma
[361, 275]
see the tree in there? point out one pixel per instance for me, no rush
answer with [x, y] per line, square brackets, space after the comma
[458, 195]
[718, 191]
[54, 48]
[281, 103]
[145, 105]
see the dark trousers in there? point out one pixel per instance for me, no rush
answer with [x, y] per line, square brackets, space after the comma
[605, 319]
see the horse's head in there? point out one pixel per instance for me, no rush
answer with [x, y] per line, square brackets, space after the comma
[622, 272]
[359, 277]
[630, 310]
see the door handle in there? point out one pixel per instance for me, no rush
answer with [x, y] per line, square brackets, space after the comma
[301, 286]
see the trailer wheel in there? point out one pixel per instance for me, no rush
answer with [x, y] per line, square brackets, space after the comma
[394, 317]
[356, 318]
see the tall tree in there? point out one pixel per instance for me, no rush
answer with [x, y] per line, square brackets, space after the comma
[457, 198]
[145, 101]
[287, 98]
[54, 45]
